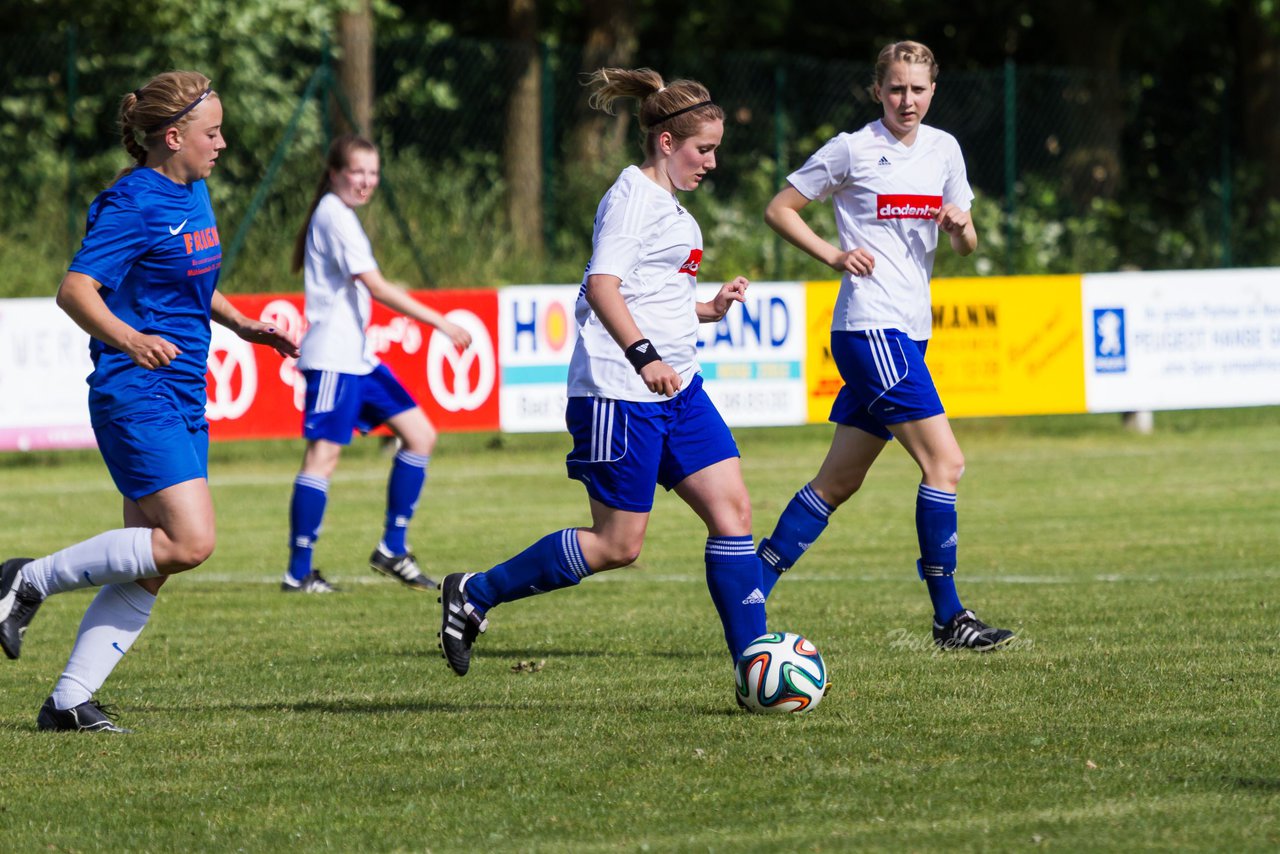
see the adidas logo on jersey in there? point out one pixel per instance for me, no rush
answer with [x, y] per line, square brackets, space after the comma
[756, 598]
[884, 161]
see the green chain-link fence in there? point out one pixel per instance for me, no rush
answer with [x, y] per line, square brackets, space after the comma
[1047, 201]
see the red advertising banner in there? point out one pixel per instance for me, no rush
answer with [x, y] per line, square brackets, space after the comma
[256, 394]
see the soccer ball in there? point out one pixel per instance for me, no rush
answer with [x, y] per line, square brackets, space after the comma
[780, 672]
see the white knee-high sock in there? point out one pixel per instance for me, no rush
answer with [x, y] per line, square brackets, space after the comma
[111, 558]
[113, 621]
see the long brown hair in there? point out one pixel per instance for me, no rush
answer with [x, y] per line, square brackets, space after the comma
[166, 100]
[339, 158]
[663, 106]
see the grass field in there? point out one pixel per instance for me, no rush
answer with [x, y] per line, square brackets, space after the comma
[1138, 712]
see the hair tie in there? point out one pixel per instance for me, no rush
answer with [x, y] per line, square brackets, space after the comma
[137, 94]
[188, 108]
[683, 110]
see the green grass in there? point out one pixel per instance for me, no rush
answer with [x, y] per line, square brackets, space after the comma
[1137, 712]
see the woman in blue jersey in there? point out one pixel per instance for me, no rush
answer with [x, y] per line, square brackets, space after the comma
[637, 411]
[895, 183]
[143, 285]
[347, 387]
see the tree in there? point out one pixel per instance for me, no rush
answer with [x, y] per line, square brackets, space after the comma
[522, 145]
[355, 66]
[1258, 82]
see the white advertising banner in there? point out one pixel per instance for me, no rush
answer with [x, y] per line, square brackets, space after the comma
[536, 334]
[44, 360]
[753, 358]
[1181, 340]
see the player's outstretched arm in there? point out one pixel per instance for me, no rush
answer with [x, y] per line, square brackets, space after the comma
[78, 296]
[730, 292]
[397, 299]
[253, 331]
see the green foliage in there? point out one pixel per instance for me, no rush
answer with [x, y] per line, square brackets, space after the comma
[439, 121]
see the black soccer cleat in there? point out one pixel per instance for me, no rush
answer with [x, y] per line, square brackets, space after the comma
[966, 631]
[461, 622]
[403, 568]
[89, 716]
[313, 583]
[19, 602]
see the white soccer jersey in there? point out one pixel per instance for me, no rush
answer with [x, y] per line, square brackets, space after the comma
[882, 191]
[338, 307]
[644, 237]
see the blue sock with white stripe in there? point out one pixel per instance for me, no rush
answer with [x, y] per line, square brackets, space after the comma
[552, 562]
[734, 579]
[408, 474]
[306, 515]
[799, 526]
[936, 531]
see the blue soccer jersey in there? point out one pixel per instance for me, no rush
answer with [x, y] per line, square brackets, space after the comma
[153, 246]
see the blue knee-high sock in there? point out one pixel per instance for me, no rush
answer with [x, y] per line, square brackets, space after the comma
[801, 523]
[936, 531]
[408, 474]
[306, 515]
[734, 579]
[552, 562]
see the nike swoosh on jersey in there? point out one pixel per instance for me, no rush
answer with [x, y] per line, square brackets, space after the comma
[178, 228]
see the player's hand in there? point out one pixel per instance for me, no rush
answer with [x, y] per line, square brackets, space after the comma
[460, 337]
[660, 378]
[951, 219]
[151, 351]
[859, 262]
[730, 292]
[260, 332]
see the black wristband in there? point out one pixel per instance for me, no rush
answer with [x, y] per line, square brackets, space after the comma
[642, 353]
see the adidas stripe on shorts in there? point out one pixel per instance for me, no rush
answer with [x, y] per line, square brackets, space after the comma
[885, 380]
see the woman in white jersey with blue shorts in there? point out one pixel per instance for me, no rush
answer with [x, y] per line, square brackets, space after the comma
[348, 388]
[637, 411]
[895, 183]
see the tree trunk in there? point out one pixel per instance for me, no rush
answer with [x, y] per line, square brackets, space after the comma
[522, 146]
[1092, 40]
[611, 43]
[1256, 99]
[355, 67]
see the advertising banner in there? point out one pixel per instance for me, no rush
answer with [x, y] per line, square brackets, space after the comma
[536, 332]
[1182, 340]
[753, 358]
[44, 360]
[256, 394]
[1000, 346]
[1007, 346]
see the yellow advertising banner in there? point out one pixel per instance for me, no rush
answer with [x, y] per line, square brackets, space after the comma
[1001, 346]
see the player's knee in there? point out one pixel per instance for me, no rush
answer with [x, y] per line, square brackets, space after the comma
[947, 472]
[422, 442]
[190, 552]
[621, 553]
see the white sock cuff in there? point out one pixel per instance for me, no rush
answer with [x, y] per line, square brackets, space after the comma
[135, 596]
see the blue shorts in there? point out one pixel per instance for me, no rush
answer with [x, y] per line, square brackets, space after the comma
[621, 449]
[147, 451]
[885, 381]
[339, 403]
